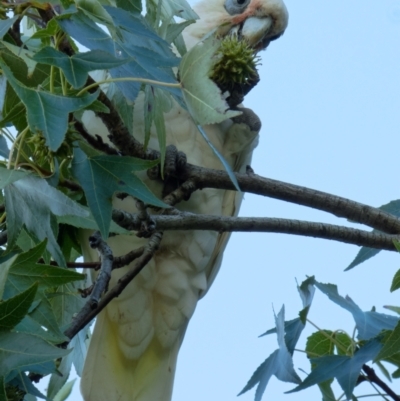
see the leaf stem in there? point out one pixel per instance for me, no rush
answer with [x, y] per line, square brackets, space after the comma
[52, 78]
[14, 145]
[324, 333]
[142, 80]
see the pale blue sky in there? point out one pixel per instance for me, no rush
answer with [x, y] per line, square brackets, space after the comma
[329, 100]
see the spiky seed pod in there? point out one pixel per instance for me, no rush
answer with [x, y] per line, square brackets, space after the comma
[236, 63]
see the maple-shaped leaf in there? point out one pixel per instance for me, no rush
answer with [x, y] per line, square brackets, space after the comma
[47, 112]
[369, 324]
[202, 96]
[279, 363]
[101, 176]
[33, 203]
[346, 369]
[18, 351]
[13, 310]
[77, 67]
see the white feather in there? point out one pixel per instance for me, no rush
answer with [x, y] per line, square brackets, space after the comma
[133, 352]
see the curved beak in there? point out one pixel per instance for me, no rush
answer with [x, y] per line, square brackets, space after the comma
[254, 30]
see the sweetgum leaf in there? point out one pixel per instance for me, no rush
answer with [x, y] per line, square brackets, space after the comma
[6, 24]
[369, 324]
[32, 202]
[77, 67]
[13, 310]
[391, 345]
[202, 96]
[47, 113]
[149, 56]
[102, 176]
[366, 253]
[279, 364]
[395, 282]
[20, 350]
[25, 271]
[294, 327]
[345, 369]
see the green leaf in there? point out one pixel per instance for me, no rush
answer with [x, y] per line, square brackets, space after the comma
[47, 113]
[396, 282]
[24, 271]
[318, 344]
[3, 396]
[134, 6]
[102, 176]
[25, 384]
[178, 8]
[24, 54]
[202, 96]
[9, 176]
[6, 24]
[220, 157]
[279, 363]
[149, 56]
[344, 344]
[13, 310]
[77, 67]
[157, 102]
[66, 303]
[294, 327]
[174, 30]
[391, 345]
[32, 202]
[326, 391]
[369, 324]
[65, 391]
[344, 368]
[95, 11]
[29, 325]
[395, 309]
[19, 350]
[49, 31]
[125, 109]
[89, 223]
[366, 253]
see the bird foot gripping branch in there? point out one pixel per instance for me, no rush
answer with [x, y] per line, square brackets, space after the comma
[135, 343]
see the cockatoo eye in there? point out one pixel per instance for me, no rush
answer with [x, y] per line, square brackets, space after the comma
[236, 6]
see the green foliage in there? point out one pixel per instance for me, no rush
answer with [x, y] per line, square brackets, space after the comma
[334, 354]
[366, 253]
[53, 182]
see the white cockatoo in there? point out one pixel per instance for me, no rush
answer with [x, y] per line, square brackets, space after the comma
[133, 351]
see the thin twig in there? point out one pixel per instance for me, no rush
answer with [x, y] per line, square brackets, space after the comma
[373, 378]
[103, 278]
[86, 314]
[190, 221]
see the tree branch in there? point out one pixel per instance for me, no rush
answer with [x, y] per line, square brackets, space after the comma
[190, 221]
[373, 378]
[103, 278]
[86, 314]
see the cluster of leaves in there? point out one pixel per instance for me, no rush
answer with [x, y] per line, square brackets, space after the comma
[53, 184]
[332, 354]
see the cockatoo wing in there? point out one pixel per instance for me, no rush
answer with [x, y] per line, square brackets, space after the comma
[133, 351]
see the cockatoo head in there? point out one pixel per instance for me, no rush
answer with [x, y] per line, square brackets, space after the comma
[256, 21]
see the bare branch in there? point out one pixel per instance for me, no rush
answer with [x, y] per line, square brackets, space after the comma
[86, 314]
[373, 378]
[190, 221]
[336, 205]
[103, 278]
